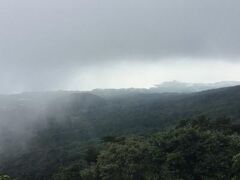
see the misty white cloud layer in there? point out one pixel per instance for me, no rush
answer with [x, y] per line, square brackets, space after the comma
[146, 74]
[83, 44]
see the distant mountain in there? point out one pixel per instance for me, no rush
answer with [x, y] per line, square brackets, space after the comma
[182, 87]
[165, 87]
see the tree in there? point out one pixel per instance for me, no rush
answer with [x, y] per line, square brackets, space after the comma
[236, 167]
[127, 160]
[4, 177]
[91, 154]
[193, 150]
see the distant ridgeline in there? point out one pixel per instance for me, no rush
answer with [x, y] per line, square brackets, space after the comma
[74, 135]
[167, 87]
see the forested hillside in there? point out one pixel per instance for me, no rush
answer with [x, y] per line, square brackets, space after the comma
[194, 149]
[74, 135]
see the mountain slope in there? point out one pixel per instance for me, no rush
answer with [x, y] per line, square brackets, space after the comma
[57, 129]
[141, 112]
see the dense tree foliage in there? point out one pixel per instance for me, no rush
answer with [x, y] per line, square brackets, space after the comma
[83, 136]
[195, 150]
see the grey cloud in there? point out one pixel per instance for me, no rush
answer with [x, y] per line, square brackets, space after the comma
[50, 38]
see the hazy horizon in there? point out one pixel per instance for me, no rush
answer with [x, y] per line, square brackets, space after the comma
[169, 84]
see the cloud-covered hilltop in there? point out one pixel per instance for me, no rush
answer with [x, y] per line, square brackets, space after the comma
[183, 87]
[166, 87]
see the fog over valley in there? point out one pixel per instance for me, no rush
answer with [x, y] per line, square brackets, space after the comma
[119, 90]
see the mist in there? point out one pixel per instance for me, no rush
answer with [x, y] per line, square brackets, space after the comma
[142, 74]
[75, 71]
[53, 45]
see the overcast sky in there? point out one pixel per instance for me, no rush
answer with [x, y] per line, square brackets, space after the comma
[85, 44]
